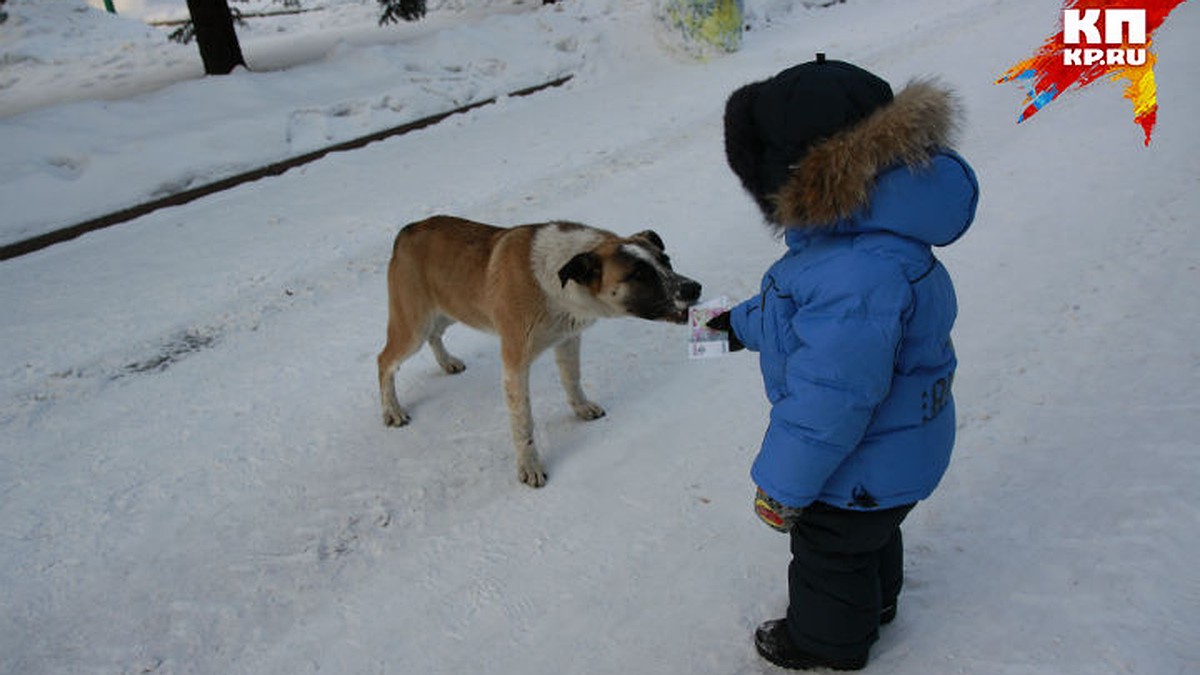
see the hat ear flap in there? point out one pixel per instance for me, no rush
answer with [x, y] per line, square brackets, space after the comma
[743, 146]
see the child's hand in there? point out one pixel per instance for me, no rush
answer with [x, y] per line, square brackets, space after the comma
[775, 515]
[721, 322]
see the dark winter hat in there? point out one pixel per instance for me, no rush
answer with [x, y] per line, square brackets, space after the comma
[770, 125]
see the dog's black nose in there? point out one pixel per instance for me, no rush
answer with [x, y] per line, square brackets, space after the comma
[689, 291]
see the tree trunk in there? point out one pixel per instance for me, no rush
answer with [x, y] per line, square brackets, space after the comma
[219, 48]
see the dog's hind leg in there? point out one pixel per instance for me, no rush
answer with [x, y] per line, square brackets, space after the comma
[566, 355]
[402, 342]
[447, 361]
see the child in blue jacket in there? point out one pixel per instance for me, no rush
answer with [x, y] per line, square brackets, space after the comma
[852, 326]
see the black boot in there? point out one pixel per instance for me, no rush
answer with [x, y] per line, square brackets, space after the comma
[774, 644]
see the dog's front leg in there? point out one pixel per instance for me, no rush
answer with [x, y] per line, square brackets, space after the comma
[520, 416]
[566, 355]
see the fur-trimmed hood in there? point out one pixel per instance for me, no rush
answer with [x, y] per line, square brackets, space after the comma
[834, 179]
[894, 165]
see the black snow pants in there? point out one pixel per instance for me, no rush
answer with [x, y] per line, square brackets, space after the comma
[846, 566]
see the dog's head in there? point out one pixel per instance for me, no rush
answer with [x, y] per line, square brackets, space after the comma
[633, 276]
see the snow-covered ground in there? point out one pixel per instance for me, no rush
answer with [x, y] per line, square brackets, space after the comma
[194, 477]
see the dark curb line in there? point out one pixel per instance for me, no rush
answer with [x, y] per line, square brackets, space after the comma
[41, 241]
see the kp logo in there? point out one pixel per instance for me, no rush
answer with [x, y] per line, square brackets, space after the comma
[1079, 27]
[1098, 39]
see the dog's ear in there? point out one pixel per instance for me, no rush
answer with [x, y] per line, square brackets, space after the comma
[583, 269]
[651, 237]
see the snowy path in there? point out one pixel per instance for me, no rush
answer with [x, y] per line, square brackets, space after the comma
[242, 509]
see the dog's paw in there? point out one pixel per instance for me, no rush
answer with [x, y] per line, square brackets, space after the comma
[531, 473]
[452, 365]
[588, 410]
[396, 417]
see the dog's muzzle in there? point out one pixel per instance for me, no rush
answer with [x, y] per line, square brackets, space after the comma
[687, 293]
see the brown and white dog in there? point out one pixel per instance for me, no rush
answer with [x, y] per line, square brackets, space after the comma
[536, 286]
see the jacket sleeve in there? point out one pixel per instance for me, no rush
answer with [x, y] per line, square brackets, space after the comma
[746, 321]
[846, 331]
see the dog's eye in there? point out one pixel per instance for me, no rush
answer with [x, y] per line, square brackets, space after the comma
[642, 272]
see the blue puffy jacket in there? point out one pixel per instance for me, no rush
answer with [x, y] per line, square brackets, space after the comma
[853, 329]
